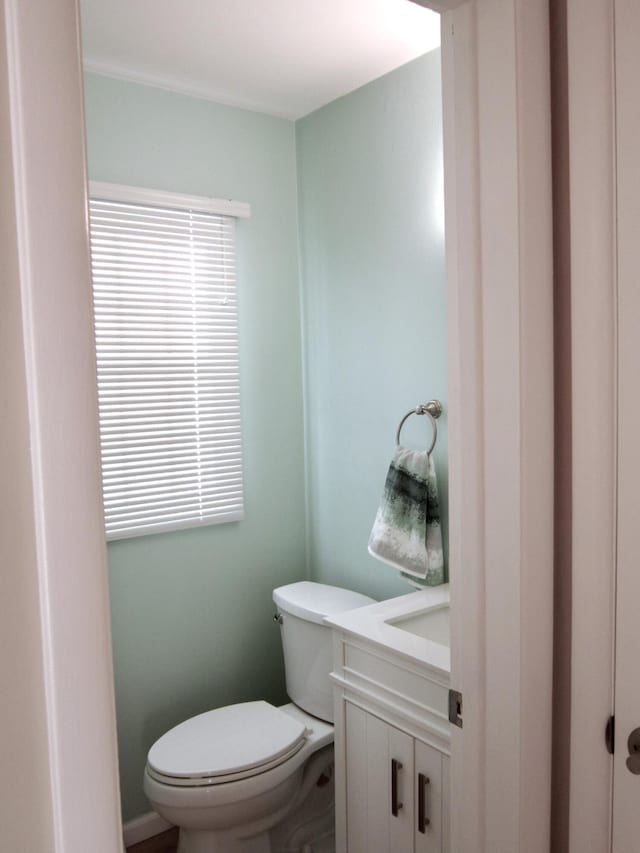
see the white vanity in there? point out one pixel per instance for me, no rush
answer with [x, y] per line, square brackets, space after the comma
[391, 673]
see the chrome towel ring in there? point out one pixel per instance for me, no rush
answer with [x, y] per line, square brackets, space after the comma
[433, 409]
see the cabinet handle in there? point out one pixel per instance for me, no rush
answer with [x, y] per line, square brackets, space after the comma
[423, 820]
[395, 805]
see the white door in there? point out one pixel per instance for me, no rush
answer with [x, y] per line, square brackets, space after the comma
[626, 781]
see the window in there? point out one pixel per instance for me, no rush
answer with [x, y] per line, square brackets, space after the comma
[167, 348]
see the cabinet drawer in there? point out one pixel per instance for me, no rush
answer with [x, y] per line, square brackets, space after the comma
[389, 677]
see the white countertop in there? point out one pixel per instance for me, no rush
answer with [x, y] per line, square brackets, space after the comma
[371, 623]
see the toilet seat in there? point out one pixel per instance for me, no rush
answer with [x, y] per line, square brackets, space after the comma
[226, 745]
[220, 779]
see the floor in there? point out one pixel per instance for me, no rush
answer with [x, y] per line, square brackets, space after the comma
[166, 842]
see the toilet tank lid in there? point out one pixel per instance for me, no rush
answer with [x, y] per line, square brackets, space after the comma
[313, 601]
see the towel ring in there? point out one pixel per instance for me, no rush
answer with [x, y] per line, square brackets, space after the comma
[433, 409]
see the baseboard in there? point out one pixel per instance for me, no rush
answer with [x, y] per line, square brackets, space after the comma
[143, 827]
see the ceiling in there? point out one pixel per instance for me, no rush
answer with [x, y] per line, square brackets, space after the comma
[281, 57]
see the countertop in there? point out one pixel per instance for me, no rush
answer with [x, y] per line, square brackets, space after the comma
[371, 623]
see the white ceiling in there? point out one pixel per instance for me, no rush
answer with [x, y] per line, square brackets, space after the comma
[282, 57]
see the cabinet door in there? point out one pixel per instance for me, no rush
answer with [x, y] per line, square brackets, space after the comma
[446, 804]
[428, 799]
[380, 795]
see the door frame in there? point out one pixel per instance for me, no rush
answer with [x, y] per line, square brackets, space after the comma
[499, 259]
[75, 779]
[593, 306]
[496, 73]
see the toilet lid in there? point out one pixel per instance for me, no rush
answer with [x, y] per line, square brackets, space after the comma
[236, 739]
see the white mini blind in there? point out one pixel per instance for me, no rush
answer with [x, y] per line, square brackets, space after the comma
[166, 325]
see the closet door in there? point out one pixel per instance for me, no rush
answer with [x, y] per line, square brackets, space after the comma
[626, 762]
[380, 781]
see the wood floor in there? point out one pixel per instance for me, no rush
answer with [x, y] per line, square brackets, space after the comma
[166, 842]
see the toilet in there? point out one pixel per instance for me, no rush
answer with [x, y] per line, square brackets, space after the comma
[253, 778]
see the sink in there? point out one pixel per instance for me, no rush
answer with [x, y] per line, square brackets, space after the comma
[414, 626]
[431, 624]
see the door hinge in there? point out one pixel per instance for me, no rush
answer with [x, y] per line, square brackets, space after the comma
[610, 735]
[455, 708]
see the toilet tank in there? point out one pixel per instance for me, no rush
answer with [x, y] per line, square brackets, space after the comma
[306, 641]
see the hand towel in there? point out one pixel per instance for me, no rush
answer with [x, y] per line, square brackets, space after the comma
[406, 533]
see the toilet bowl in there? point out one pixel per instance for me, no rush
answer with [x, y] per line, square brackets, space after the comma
[220, 807]
[246, 778]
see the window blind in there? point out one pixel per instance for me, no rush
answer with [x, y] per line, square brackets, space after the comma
[166, 330]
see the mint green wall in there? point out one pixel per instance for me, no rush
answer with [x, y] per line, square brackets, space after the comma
[192, 612]
[371, 234]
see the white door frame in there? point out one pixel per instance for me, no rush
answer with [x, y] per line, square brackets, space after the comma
[590, 28]
[499, 267]
[498, 207]
[76, 777]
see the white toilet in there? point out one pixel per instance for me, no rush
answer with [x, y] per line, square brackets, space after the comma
[252, 778]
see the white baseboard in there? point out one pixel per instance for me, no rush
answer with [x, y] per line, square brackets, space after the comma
[143, 827]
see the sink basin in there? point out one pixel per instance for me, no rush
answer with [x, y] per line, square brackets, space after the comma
[414, 626]
[432, 624]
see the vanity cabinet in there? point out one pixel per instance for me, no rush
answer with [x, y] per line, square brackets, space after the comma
[392, 741]
[394, 788]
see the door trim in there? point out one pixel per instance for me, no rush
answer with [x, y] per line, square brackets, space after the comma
[43, 89]
[496, 70]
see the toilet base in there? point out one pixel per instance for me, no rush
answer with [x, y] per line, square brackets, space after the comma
[199, 841]
[310, 827]
[286, 809]
[305, 822]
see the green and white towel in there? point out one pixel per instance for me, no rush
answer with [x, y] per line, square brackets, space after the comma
[406, 533]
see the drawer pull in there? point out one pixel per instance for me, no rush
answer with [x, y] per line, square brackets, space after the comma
[423, 820]
[395, 805]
